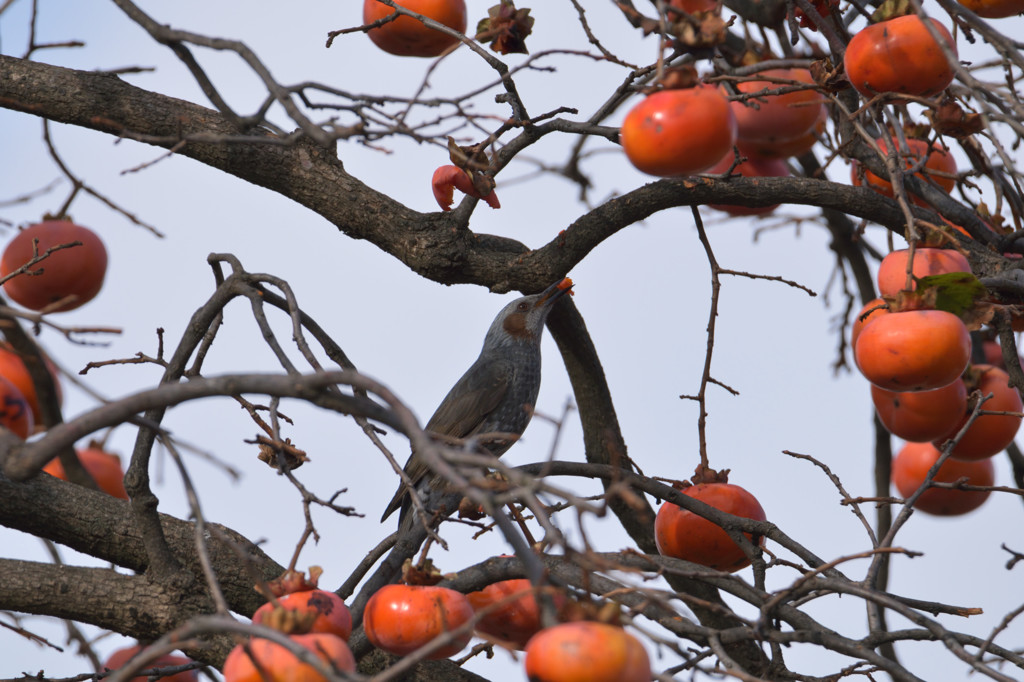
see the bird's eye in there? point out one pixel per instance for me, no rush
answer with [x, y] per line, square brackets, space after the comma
[523, 307]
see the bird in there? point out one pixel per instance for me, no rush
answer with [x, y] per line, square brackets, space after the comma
[495, 395]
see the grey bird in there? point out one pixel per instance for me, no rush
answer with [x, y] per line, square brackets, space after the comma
[496, 394]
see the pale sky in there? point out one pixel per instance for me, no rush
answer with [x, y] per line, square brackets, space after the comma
[644, 295]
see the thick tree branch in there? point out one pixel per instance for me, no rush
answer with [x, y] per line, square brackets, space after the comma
[132, 605]
[101, 526]
[434, 245]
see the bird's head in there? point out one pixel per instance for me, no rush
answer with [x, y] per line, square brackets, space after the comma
[522, 320]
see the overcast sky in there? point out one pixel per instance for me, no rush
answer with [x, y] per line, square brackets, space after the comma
[644, 294]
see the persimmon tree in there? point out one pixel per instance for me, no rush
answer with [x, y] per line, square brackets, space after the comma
[527, 105]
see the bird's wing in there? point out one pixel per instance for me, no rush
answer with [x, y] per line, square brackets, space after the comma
[460, 414]
[471, 400]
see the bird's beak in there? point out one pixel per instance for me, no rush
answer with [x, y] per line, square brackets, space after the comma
[554, 292]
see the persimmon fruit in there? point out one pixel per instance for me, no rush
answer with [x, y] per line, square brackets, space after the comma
[910, 468]
[892, 271]
[679, 132]
[871, 310]
[901, 56]
[913, 350]
[989, 434]
[402, 618]
[76, 271]
[12, 368]
[778, 147]
[447, 179]
[409, 37]
[104, 467]
[15, 413]
[331, 613]
[993, 354]
[920, 416]
[119, 658]
[939, 167]
[774, 118]
[682, 534]
[508, 610]
[749, 168]
[994, 9]
[261, 660]
[692, 6]
[586, 651]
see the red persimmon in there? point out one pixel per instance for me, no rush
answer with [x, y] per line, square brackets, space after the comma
[12, 368]
[402, 618]
[448, 178]
[911, 466]
[586, 651]
[869, 312]
[508, 610]
[750, 168]
[989, 434]
[331, 613]
[692, 6]
[409, 37]
[15, 413]
[784, 148]
[76, 271]
[104, 467]
[679, 132]
[899, 55]
[892, 272]
[914, 350]
[682, 534]
[939, 167]
[775, 118]
[260, 660]
[119, 658]
[920, 416]
[994, 9]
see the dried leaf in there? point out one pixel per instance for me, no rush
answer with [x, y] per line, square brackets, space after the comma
[506, 28]
[917, 131]
[949, 118]
[468, 158]
[979, 315]
[287, 457]
[700, 30]
[828, 76]
[456, 153]
[680, 77]
[890, 9]
[424, 574]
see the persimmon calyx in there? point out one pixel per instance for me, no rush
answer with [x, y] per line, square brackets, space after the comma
[705, 474]
[425, 573]
[292, 581]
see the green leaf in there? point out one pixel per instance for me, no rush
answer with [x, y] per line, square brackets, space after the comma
[954, 292]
